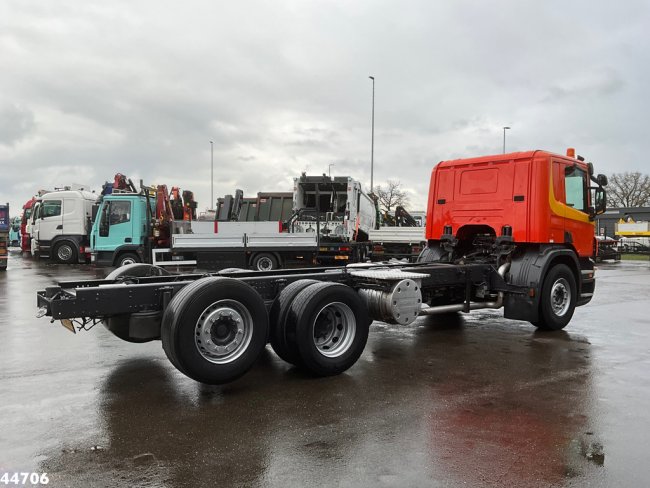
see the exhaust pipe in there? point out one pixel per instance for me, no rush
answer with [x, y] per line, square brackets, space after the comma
[498, 303]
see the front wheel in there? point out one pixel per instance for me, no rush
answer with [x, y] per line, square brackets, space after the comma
[127, 258]
[558, 298]
[65, 253]
[430, 254]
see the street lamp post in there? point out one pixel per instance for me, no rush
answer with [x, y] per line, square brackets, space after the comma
[211, 175]
[372, 140]
[504, 139]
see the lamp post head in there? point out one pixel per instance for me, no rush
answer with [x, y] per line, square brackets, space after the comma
[506, 128]
[372, 78]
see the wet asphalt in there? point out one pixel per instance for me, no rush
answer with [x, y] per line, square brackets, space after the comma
[468, 399]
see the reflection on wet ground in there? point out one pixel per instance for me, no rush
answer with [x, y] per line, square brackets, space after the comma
[448, 400]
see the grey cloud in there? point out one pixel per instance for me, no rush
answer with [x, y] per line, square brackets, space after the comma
[282, 87]
[16, 123]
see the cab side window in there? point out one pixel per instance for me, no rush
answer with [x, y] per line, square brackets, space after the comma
[574, 185]
[51, 208]
[120, 212]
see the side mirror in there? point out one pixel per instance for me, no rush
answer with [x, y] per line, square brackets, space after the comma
[601, 180]
[600, 200]
[590, 169]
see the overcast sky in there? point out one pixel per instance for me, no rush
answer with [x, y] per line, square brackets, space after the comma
[88, 89]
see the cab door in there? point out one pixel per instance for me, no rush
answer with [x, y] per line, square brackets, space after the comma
[51, 221]
[573, 197]
[115, 226]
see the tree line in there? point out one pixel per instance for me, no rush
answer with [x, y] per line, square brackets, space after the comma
[629, 189]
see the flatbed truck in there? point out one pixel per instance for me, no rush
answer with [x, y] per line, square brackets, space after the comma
[512, 231]
[324, 221]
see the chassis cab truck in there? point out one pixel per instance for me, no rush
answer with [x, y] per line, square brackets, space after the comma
[533, 211]
[513, 231]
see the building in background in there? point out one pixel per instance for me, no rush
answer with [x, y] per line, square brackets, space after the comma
[606, 223]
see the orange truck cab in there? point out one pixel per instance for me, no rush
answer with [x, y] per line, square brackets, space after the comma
[533, 211]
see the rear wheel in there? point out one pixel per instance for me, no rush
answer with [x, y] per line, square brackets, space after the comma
[65, 252]
[264, 262]
[283, 344]
[558, 298]
[331, 327]
[214, 329]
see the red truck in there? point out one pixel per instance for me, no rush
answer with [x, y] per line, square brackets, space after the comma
[25, 238]
[533, 210]
[5, 224]
[511, 230]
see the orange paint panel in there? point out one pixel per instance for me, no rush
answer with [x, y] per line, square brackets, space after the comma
[512, 190]
[479, 181]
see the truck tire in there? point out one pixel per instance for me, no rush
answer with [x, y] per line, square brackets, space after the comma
[170, 316]
[118, 325]
[127, 258]
[264, 261]
[233, 270]
[284, 346]
[65, 252]
[558, 298]
[331, 327]
[215, 329]
[137, 270]
[430, 254]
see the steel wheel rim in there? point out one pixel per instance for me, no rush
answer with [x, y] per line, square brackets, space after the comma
[334, 329]
[264, 264]
[223, 331]
[64, 252]
[128, 261]
[560, 297]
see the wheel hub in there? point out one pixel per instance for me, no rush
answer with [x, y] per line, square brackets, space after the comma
[64, 253]
[264, 264]
[560, 297]
[334, 329]
[223, 331]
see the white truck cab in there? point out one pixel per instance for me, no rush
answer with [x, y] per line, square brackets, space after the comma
[61, 225]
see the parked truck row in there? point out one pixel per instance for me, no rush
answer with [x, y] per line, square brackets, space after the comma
[5, 228]
[323, 221]
[512, 231]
